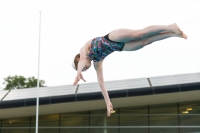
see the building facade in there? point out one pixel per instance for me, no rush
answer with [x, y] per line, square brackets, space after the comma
[164, 111]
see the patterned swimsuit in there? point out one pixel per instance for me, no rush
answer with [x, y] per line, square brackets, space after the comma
[102, 47]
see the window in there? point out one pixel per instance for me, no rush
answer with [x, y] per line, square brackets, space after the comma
[163, 115]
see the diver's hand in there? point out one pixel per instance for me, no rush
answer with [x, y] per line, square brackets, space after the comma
[78, 78]
[109, 109]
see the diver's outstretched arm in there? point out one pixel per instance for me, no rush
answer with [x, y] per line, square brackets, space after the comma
[99, 69]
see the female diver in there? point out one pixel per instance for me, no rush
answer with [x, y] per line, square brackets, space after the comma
[118, 40]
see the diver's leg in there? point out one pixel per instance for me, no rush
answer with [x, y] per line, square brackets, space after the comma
[138, 44]
[126, 35]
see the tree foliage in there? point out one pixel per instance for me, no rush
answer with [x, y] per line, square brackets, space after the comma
[20, 82]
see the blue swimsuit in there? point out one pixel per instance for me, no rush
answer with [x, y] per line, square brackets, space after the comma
[102, 47]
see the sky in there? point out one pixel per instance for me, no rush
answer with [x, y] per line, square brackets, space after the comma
[67, 25]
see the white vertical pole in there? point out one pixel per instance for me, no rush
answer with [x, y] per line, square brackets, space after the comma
[105, 124]
[37, 104]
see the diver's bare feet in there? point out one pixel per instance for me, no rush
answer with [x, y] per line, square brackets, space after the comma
[184, 35]
[174, 28]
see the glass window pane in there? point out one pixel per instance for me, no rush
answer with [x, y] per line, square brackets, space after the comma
[97, 118]
[163, 115]
[134, 130]
[113, 120]
[164, 109]
[164, 130]
[46, 121]
[46, 130]
[190, 130]
[190, 107]
[16, 122]
[104, 130]
[134, 110]
[15, 131]
[97, 130]
[75, 119]
[0, 125]
[111, 130]
[190, 120]
[74, 130]
[134, 116]
[190, 114]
